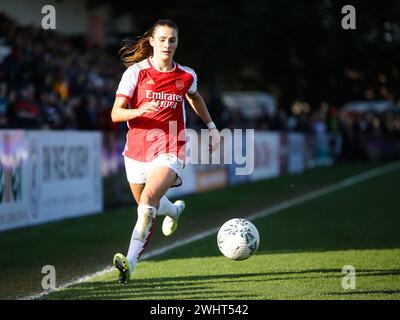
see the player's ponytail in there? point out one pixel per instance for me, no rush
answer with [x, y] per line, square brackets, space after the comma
[134, 51]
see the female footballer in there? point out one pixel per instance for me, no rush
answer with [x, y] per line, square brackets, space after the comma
[150, 98]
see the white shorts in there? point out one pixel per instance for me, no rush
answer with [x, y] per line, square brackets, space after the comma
[137, 171]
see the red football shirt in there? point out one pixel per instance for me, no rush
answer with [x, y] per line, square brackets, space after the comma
[162, 131]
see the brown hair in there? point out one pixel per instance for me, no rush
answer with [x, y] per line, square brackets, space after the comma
[133, 51]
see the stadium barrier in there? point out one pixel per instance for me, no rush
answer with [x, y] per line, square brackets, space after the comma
[267, 155]
[48, 175]
[295, 156]
[52, 175]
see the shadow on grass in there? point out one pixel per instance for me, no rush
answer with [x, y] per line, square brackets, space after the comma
[200, 286]
[355, 292]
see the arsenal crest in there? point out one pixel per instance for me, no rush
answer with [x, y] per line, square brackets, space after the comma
[179, 84]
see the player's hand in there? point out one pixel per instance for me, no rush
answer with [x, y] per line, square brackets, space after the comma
[147, 107]
[214, 139]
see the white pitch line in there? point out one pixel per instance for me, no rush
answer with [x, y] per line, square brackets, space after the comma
[263, 213]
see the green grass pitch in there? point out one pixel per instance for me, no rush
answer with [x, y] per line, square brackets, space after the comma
[301, 255]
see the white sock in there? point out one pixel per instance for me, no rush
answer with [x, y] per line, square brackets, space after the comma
[167, 208]
[138, 242]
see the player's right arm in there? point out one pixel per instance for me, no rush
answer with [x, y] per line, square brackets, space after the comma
[120, 113]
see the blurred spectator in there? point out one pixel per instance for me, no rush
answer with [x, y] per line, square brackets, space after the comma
[27, 112]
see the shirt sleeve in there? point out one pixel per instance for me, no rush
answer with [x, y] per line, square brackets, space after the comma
[193, 87]
[128, 83]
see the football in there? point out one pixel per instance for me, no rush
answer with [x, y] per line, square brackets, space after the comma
[238, 239]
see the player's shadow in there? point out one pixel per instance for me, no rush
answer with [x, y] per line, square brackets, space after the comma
[198, 286]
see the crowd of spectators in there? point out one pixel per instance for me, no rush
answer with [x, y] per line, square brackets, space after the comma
[52, 81]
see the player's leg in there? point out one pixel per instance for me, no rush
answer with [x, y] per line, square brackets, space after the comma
[136, 190]
[166, 207]
[126, 264]
[158, 181]
[136, 174]
[170, 222]
[172, 211]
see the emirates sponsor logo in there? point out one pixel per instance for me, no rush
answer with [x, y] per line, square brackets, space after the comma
[179, 84]
[172, 97]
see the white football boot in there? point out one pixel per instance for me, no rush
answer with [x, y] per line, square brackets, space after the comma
[170, 224]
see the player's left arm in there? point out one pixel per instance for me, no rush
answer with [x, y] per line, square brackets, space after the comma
[197, 103]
